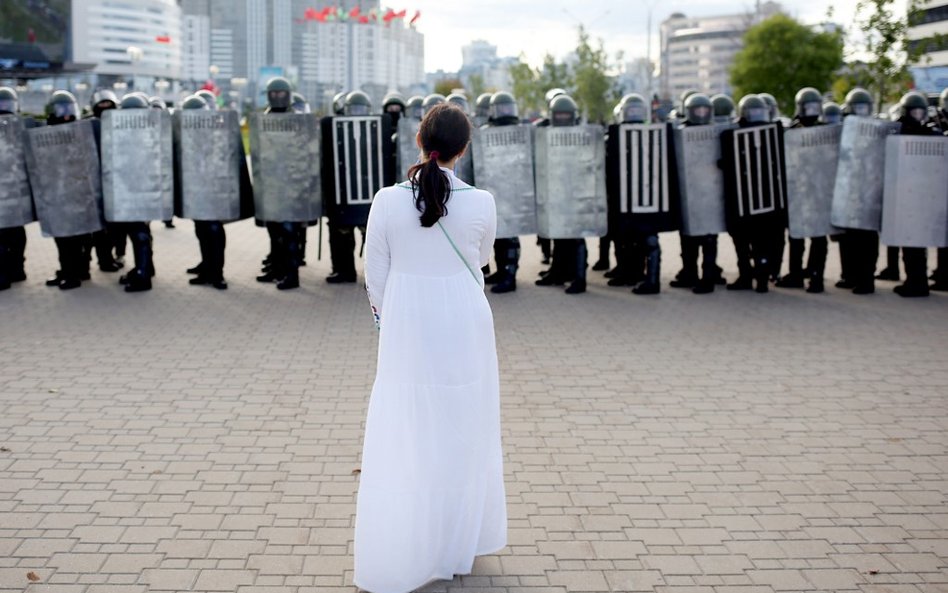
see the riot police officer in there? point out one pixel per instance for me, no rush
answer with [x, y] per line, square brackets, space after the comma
[430, 101]
[569, 255]
[940, 275]
[210, 233]
[482, 109]
[299, 103]
[699, 111]
[832, 113]
[808, 113]
[113, 236]
[283, 263]
[12, 239]
[209, 98]
[339, 103]
[914, 119]
[773, 111]
[62, 108]
[414, 108]
[461, 101]
[394, 105]
[723, 109]
[504, 112]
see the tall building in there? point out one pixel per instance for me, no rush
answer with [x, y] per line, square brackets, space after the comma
[102, 32]
[931, 31]
[195, 40]
[479, 58]
[697, 53]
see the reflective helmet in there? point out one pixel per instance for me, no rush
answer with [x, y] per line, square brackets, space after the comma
[698, 109]
[194, 102]
[723, 108]
[552, 94]
[157, 103]
[133, 101]
[832, 113]
[943, 100]
[62, 107]
[682, 100]
[430, 101]
[299, 103]
[632, 109]
[459, 100]
[102, 100]
[413, 107]
[773, 111]
[9, 102]
[482, 105]
[503, 104]
[753, 109]
[393, 103]
[209, 98]
[563, 111]
[914, 105]
[279, 93]
[809, 103]
[339, 103]
[358, 103]
[858, 102]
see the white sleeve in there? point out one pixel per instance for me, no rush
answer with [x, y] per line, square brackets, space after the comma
[487, 243]
[377, 256]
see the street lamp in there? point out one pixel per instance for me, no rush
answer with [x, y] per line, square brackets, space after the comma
[135, 55]
[213, 70]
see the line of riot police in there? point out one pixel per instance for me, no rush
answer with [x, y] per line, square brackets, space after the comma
[91, 183]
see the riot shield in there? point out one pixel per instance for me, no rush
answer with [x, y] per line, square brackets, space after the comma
[641, 178]
[137, 171]
[210, 165]
[361, 165]
[812, 155]
[701, 181]
[915, 194]
[464, 169]
[407, 148]
[857, 193]
[503, 166]
[16, 202]
[570, 182]
[63, 164]
[284, 156]
[754, 176]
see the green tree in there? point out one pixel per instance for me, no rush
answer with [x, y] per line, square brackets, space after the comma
[886, 42]
[525, 86]
[447, 85]
[780, 56]
[553, 75]
[475, 86]
[592, 83]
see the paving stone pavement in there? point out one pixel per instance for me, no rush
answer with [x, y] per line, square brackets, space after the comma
[187, 439]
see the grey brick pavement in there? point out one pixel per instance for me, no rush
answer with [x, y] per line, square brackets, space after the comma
[193, 440]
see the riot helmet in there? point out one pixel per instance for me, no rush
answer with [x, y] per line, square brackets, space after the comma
[339, 103]
[503, 106]
[482, 106]
[552, 94]
[393, 103]
[723, 108]
[832, 113]
[299, 103]
[279, 94]
[413, 107]
[563, 111]
[698, 109]
[914, 105]
[858, 102]
[809, 104]
[62, 108]
[133, 101]
[157, 103]
[943, 100]
[194, 102]
[358, 103]
[773, 111]
[682, 102]
[430, 101]
[209, 98]
[459, 100]
[632, 109]
[753, 109]
[103, 100]
[9, 102]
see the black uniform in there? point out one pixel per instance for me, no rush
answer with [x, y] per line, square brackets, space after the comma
[113, 236]
[13, 242]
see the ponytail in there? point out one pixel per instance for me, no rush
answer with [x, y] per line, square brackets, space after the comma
[444, 132]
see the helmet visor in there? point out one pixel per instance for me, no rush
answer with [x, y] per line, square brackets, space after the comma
[634, 112]
[812, 109]
[393, 108]
[832, 118]
[702, 113]
[862, 109]
[357, 110]
[757, 115]
[919, 114]
[564, 118]
[278, 99]
[7, 106]
[505, 110]
[63, 110]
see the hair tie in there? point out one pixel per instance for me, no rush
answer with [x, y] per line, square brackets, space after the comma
[433, 155]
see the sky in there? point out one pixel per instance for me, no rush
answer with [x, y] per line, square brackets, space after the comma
[536, 27]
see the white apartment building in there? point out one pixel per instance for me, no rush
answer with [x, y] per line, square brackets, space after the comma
[931, 72]
[102, 32]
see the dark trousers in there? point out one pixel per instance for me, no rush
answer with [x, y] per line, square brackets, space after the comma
[118, 236]
[73, 256]
[570, 259]
[12, 249]
[545, 247]
[816, 263]
[212, 240]
[690, 247]
[916, 266]
[941, 271]
[507, 256]
[742, 247]
[103, 244]
[863, 253]
[342, 249]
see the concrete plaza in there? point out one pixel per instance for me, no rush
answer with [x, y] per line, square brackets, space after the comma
[187, 439]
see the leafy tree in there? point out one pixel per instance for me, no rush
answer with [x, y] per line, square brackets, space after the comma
[592, 82]
[525, 86]
[446, 86]
[780, 56]
[553, 75]
[475, 86]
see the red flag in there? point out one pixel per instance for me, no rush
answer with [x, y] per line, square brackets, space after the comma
[400, 14]
[354, 13]
[163, 39]
[389, 16]
[310, 14]
[363, 20]
[414, 18]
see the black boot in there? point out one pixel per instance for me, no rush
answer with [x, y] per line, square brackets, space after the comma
[652, 283]
[916, 273]
[602, 264]
[891, 270]
[580, 257]
[511, 258]
[341, 253]
[139, 279]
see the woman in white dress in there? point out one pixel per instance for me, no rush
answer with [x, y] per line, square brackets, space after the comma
[431, 492]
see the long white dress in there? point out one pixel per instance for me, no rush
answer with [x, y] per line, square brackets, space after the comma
[431, 492]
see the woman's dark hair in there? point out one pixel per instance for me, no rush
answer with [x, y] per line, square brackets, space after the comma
[445, 132]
